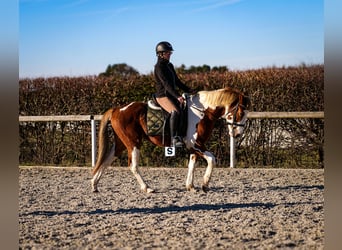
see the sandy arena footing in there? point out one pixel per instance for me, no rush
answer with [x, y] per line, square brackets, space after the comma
[245, 208]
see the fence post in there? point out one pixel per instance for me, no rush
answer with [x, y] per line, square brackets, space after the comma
[232, 151]
[93, 141]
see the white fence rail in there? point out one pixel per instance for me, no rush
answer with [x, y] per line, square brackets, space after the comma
[251, 115]
[93, 118]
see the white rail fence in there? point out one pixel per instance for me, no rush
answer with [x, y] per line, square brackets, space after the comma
[94, 118]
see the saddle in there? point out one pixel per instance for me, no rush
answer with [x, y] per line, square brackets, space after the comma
[157, 120]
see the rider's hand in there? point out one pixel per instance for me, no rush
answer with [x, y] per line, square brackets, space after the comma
[192, 91]
[181, 99]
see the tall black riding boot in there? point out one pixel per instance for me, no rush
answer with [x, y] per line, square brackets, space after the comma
[174, 121]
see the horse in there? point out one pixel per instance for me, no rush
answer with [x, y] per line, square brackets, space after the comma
[128, 122]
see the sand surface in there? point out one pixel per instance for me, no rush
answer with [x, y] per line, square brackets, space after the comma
[245, 208]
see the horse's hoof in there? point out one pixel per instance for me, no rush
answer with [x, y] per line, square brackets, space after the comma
[191, 189]
[205, 189]
[147, 190]
[95, 190]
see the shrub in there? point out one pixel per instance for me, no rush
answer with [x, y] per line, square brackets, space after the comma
[290, 142]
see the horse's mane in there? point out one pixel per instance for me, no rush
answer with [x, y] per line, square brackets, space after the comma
[220, 97]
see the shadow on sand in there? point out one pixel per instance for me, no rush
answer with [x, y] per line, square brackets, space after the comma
[157, 210]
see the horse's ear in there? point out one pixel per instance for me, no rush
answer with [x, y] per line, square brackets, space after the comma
[247, 101]
[241, 98]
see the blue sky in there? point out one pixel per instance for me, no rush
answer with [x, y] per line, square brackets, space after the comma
[81, 37]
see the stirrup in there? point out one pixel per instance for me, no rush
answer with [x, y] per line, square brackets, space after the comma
[177, 142]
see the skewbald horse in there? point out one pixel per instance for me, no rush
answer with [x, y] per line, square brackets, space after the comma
[204, 108]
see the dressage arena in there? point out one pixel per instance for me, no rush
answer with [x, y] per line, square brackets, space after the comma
[245, 208]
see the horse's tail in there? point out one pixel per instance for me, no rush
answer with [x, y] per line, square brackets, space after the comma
[103, 140]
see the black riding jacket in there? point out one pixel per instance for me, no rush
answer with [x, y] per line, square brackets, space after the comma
[167, 80]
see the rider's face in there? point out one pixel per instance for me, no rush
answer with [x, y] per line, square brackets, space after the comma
[167, 55]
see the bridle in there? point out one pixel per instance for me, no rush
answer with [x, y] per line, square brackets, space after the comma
[233, 112]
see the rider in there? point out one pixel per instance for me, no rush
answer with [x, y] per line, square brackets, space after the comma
[166, 82]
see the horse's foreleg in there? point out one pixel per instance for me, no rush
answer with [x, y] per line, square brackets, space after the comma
[97, 175]
[190, 178]
[210, 158]
[134, 168]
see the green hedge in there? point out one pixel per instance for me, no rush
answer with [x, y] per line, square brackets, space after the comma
[264, 142]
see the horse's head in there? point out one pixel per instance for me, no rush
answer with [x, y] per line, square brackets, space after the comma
[236, 115]
[232, 104]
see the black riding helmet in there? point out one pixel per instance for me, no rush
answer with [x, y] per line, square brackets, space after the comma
[163, 47]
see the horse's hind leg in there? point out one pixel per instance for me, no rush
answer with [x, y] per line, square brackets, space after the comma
[134, 160]
[97, 175]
